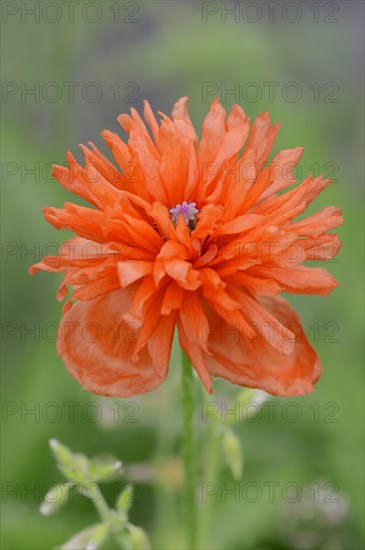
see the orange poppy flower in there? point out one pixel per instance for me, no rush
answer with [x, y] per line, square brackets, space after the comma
[191, 234]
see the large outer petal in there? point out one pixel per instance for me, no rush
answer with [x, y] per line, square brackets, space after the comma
[104, 366]
[257, 364]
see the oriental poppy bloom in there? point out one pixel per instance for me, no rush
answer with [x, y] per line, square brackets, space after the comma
[195, 235]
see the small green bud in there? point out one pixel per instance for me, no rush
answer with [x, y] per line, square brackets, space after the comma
[138, 538]
[100, 534]
[126, 498]
[78, 468]
[61, 453]
[74, 466]
[232, 452]
[90, 538]
[105, 468]
[55, 498]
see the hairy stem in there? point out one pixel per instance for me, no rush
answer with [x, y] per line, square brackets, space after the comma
[189, 450]
[210, 475]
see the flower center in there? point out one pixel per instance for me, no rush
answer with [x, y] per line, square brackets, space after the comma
[187, 210]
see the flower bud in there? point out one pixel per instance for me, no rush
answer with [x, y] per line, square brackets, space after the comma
[232, 452]
[78, 468]
[90, 538]
[125, 499]
[55, 498]
[104, 468]
[74, 466]
[138, 538]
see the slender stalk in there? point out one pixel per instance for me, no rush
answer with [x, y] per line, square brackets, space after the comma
[189, 450]
[103, 510]
[210, 475]
[102, 507]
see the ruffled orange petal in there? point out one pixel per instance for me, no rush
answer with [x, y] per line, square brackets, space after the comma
[97, 348]
[299, 279]
[255, 363]
[195, 354]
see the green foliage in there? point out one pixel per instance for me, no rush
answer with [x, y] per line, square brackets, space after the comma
[82, 474]
[78, 468]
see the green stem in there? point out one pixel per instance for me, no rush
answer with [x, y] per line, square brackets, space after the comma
[103, 510]
[210, 475]
[188, 450]
[102, 507]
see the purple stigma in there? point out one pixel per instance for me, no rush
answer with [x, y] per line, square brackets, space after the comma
[186, 209]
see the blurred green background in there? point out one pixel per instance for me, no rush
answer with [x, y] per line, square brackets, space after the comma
[161, 50]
